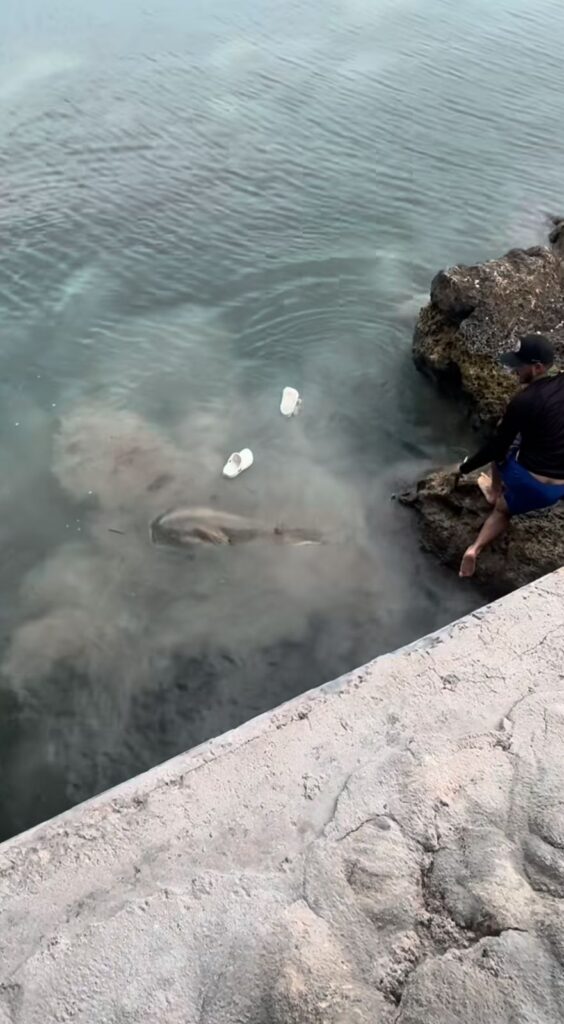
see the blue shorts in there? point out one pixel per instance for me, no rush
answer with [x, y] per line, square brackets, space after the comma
[523, 493]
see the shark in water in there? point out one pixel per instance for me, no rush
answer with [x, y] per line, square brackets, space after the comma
[186, 527]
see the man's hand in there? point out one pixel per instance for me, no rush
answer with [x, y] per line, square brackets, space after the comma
[456, 472]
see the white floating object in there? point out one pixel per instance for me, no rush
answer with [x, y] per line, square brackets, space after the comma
[291, 402]
[238, 462]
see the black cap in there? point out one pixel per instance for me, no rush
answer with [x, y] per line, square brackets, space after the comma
[532, 349]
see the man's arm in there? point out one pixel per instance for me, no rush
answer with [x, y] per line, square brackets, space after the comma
[497, 447]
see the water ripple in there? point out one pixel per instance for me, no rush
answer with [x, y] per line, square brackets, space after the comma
[200, 204]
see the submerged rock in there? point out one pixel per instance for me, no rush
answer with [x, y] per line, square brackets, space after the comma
[477, 312]
[450, 517]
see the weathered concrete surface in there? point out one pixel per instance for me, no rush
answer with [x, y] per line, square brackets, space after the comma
[477, 312]
[450, 516]
[387, 849]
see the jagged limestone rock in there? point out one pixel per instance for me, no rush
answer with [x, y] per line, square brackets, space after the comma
[477, 312]
[451, 514]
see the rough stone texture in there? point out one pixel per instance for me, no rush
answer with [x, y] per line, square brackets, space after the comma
[316, 981]
[479, 311]
[451, 515]
[388, 849]
[475, 313]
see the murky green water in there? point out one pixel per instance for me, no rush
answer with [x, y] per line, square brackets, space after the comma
[199, 205]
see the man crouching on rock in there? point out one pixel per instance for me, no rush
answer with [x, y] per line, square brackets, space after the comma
[527, 450]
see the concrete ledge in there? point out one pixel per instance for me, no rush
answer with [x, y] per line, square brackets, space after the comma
[389, 847]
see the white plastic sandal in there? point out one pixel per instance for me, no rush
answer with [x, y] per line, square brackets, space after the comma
[238, 462]
[291, 402]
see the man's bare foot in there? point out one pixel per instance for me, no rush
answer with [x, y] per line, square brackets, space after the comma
[468, 564]
[487, 488]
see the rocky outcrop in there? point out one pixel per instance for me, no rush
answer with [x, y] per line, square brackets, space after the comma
[477, 312]
[451, 515]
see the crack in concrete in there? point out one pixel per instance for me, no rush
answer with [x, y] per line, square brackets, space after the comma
[557, 631]
[508, 714]
[454, 936]
[428, 854]
[440, 956]
[460, 937]
[352, 831]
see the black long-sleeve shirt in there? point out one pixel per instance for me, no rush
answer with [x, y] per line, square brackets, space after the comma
[536, 416]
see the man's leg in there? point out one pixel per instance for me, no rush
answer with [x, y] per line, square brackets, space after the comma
[494, 526]
[491, 484]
